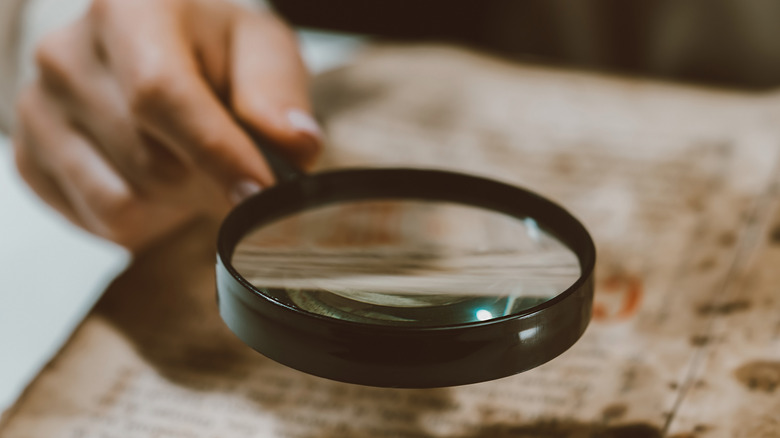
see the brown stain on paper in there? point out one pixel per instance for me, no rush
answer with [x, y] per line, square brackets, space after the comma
[618, 297]
[614, 411]
[707, 264]
[762, 375]
[697, 432]
[727, 239]
[774, 235]
[568, 430]
[722, 309]
[541, 429]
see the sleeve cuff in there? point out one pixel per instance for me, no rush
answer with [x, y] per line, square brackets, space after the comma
[10, 31]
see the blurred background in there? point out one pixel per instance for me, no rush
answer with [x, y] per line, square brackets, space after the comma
[722, 43]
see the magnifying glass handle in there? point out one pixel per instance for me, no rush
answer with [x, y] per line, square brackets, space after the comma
[283, 170]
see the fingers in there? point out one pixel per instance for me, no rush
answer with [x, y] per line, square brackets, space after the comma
[270, 87]
[137, 121]
[71, 174]
[169, 98]
[40, 183]
[83, 89]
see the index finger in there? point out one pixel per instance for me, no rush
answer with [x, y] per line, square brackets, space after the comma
[159, 73]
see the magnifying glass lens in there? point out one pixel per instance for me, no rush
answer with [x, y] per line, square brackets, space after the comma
[406, 262]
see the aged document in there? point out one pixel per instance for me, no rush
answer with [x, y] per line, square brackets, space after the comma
[678, 185]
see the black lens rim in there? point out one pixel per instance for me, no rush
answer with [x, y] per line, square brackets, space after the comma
[403, 356]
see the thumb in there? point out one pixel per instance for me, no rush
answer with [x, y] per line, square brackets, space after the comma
[269, 87]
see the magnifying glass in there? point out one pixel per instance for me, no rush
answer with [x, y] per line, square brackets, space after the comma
[403, 277]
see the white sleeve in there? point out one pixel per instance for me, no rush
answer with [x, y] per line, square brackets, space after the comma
[10, 34]
[24, 22]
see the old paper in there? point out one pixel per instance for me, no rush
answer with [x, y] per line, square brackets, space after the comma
[413, 250]
[677, 185]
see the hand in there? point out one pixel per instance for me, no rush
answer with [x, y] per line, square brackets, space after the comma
[130, 129]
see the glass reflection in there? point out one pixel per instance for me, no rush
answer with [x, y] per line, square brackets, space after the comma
[406, 262]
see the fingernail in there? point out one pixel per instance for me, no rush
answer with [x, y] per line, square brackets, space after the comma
[303, 122]
[243, 190]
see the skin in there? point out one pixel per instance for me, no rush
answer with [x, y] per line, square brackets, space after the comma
[133, 127]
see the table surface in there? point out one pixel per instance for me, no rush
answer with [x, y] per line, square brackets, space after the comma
[677, 184]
